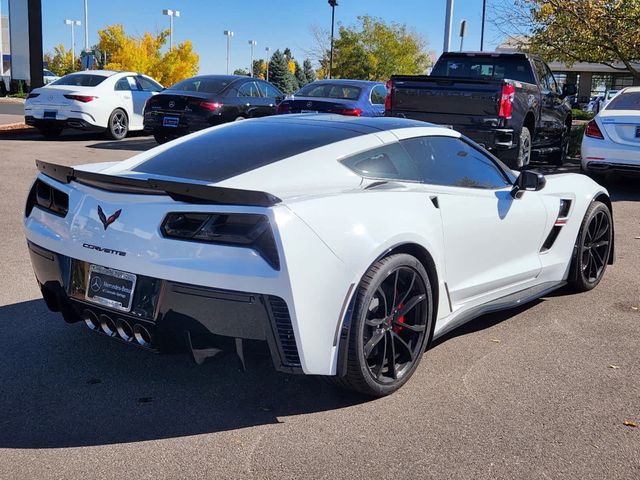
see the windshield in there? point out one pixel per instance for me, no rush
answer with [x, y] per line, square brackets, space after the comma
[80, 80]
[329, 90]
[202, 84]
[626, 101]
[484, 68]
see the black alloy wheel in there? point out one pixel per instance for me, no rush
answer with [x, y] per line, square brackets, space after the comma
[118, 124]
[593, 247]
[391, 326]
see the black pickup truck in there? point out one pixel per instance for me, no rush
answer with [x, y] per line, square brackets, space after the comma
[508, 102]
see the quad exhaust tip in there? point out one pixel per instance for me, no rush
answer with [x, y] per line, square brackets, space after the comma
[124, 330]
[108, 326]
[91, 320]
[142, 335]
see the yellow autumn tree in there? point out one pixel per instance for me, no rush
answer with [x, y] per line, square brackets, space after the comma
[144, 54]
[60, 61]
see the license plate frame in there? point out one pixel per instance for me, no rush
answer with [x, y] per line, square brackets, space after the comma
[171, 122]
[114, 283]
[638, 131]
[50, 114]
[309, 111]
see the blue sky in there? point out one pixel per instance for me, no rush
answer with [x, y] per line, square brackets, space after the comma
[273, 23]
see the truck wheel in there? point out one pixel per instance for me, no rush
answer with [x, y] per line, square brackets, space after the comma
[519, 157]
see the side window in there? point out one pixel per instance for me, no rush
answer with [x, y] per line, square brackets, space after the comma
[389, 162]
[123, 84]
[452, 162]
[148, 85]
[551, 81]
[378, 94]
[269, 90]
[249, 89]
[541, 73]
[132, 83]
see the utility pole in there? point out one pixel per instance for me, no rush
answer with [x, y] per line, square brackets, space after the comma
[267, 50]
[228, 34]
[86, 26]
[484, 11]
[1, 53]
[253, 43]
[171, 14]
[334, 4]
[73, 24]
[447, 26]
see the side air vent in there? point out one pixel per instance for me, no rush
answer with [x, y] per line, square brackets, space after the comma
[284, 331]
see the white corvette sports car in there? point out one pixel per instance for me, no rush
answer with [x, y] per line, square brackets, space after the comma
[346, 244]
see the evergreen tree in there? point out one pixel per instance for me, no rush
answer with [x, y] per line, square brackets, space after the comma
[300, 76]
[287, 54]
[309, 72]
[241, 71]
[279, 73]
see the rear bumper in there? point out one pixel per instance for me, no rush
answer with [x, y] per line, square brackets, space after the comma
[77, 123]
[175, 314]
[153, 123]
[610, 166]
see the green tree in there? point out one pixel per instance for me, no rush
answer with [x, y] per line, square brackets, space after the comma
[301, 78]
[241, 71]
[598, 31]
[279, 73]
[309, 72]
[375, 50]
[60, 62]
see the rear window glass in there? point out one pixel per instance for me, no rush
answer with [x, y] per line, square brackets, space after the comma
[625, 101]
[484, 68]
[202, 84]
[80, 80]
[330, 90]
[241, 147]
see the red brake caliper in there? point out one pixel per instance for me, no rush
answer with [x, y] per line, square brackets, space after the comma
[398, 328]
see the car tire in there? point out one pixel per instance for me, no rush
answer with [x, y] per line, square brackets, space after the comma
[118, 124]
[50, 132]
[239, 118]
[385, 343]
[558, 158]
[519, 157]
[592, 249]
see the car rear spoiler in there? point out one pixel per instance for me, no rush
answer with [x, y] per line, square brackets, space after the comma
[179, 191]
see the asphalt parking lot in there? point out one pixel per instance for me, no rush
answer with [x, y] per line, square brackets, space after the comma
[529, 393]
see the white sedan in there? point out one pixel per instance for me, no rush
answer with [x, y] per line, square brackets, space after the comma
[611, 140]
[95, 100]
[345, 244]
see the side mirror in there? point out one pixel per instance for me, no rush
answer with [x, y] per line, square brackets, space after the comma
[569, 90]
[279, 98]
[528, 181]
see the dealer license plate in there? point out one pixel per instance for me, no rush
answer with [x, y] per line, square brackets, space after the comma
[170, 122]
[308, 111]
[50, 114]
[638, 131]
[111, 288]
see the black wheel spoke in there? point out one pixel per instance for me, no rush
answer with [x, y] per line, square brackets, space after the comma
[380, 291]
[411, 304]
[375, 322]
[406, 294]
[395, 289]
[373, 341]
[382, 359]
[404, 344]
[413, 328]
[391, 357]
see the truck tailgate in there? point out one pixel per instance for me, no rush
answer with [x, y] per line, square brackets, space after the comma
[445, 96]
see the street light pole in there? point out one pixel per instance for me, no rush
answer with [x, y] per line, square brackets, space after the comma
[1, 53]
[447, 27]
[73, 23]
[334, 4]
[86, 26]
[228, 34]
[171, 14]
[253, 43]
[267, 50]
[484, 11]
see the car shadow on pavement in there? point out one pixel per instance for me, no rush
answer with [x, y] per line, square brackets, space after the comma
[140, 144]
[64, 386]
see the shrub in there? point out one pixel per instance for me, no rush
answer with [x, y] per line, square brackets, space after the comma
[575, 139]
[578, 114]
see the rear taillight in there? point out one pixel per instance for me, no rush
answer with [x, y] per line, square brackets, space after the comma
[387, 99]
[33, 95]
[48, 198]
[210, 105]
[81, 98]
[352, 112]
[593, 130]
[506, 100]
[150, 102]
[248, 230]
[283, 107]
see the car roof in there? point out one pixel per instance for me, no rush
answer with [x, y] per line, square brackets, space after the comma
[346, 81]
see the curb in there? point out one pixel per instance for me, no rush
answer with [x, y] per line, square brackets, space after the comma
[14, 129]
